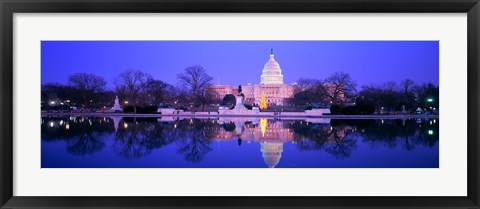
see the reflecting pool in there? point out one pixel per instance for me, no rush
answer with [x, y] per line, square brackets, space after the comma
[166, 142]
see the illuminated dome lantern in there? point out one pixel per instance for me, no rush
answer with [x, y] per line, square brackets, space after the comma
[271, 73]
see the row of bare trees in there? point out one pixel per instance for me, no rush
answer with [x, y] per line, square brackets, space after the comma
[133, 87]
[332, 90]
[406, 95]
[82, 90]
[137, 88]
[141, 89]
[340, 89]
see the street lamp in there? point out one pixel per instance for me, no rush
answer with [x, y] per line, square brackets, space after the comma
[429, 100]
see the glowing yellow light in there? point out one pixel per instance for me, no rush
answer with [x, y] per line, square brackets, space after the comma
[125, 125]
[67, 126]
[263, 102]
[263, 126]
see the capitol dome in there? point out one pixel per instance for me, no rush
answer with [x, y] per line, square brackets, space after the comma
[271, 153]
[271, 73]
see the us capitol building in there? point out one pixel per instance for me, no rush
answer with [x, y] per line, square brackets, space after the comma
[271, 85]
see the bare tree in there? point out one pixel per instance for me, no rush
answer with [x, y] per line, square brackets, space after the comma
[157, 92]
[133, 82]
[389, 86]
[308, 90]
[407, 84]
[195, 79]
[307, 83]
[87, 84]
[339, 85]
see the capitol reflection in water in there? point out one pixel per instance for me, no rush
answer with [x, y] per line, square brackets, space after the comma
[243, 142]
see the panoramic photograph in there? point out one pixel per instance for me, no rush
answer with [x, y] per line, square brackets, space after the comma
[240, 104]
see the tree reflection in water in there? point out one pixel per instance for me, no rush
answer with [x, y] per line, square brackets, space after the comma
[83, 135]
[138, 137]
[87, 142]
[331, 139]
[194, 146]
[339, 138]
[130, 141]
[343, 146]
[393, 133]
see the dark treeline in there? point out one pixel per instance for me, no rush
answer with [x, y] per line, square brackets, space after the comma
[339, 92]
[391, 96]
[139, 92]
[333, 90]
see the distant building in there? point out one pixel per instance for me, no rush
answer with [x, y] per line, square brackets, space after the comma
[219, 91]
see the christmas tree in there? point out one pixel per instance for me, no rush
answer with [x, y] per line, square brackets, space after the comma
[263, 102]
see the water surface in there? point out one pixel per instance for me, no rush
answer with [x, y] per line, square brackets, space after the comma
[121, 142]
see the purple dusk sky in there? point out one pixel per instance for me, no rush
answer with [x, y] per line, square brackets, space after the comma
[241, 62]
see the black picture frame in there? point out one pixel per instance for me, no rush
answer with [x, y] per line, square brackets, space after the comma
[9, 7]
